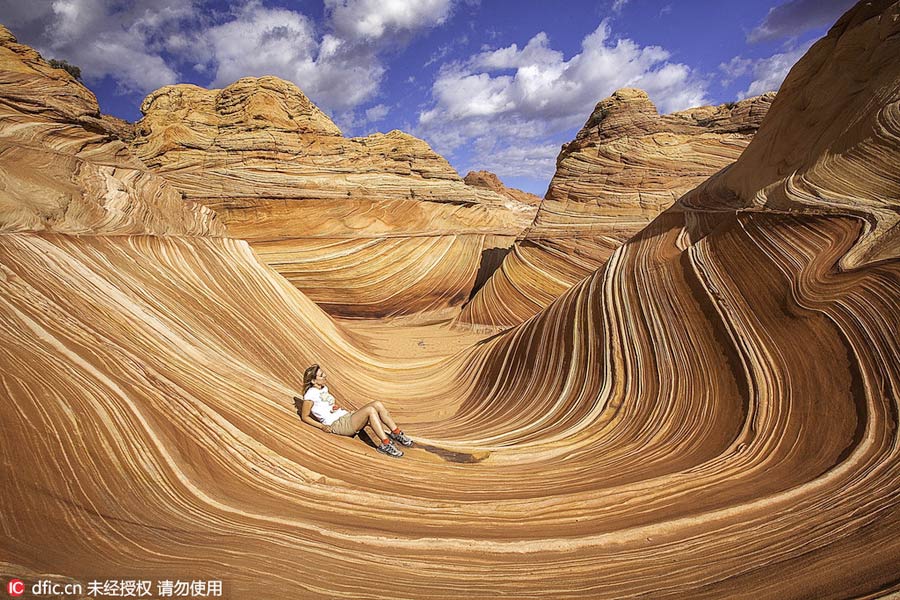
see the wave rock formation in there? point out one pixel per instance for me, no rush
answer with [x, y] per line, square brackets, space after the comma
[711, 414]
[371, 226]
[63, 168]
[626, 165]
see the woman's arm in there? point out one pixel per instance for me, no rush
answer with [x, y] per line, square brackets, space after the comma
[307, 418]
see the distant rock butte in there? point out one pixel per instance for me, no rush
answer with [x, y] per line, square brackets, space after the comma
[489, 181]
[63, 167]
[630, 162]
[625, 166]
[384, 211]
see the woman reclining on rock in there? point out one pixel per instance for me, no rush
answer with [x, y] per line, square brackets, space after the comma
[319, 410]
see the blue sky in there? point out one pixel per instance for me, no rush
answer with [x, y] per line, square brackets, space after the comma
[490, 84]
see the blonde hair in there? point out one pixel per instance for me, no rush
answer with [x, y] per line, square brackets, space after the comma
[308, 375]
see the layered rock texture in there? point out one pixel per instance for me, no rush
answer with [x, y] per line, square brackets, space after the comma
[369, 226]
[711, 414]
[490, 181]
[63, 168]
[626, 165]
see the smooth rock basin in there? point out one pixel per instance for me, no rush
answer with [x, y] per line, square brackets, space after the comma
[712, 413]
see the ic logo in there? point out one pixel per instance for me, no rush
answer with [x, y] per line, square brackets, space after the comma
[15, 587]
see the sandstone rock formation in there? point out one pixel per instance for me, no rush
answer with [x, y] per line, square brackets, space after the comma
[368, 226]
[490, 181]
[120, 127]
[712, 414]
[63, 168]
[625, 166]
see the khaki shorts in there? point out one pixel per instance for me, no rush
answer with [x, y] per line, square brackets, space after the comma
[343, 426]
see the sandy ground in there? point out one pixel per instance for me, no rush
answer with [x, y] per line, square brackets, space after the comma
[412, 337]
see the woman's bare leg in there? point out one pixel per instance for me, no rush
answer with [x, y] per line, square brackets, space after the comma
[383, 414]
[374, 434]
[368, 415]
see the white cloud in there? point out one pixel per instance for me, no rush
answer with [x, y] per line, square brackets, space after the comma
[262, 41]
[516, 97]
[103, 38]
[144, 44]
[768, 73]
[736, 67]
[618, 5]
[275, 41]
[19, 15]
[356, 122]
[442, 52]
[798, 16]
[545, 85]
[376, 19]
[377, 113]
[535, 52]
[338, 70]
[135, 69]
[529, 160]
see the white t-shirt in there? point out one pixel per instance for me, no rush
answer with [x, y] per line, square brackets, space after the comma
[323, 405]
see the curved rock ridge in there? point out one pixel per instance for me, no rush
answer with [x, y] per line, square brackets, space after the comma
[625, 166]
[848, 167]
[595, 438]
[63, 168]
[490, 181]
[281, 175]
[713, 413]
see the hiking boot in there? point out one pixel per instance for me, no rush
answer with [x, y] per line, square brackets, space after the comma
[400, 438]
[390, 450]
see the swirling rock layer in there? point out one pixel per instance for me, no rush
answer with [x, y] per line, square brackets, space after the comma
[62, 167]
[380, 210]
[625, 166]
[712, 414]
